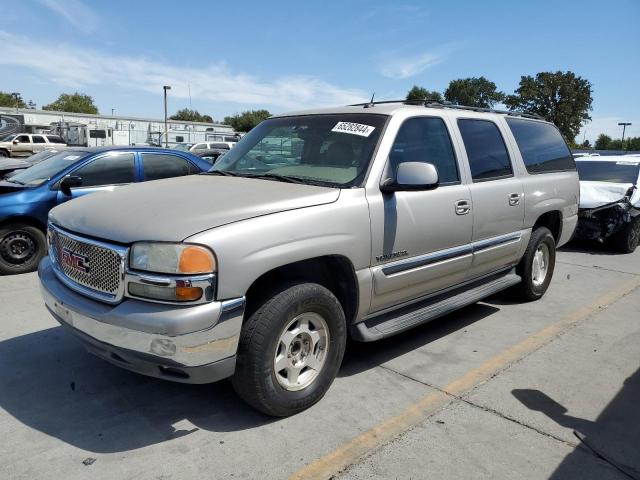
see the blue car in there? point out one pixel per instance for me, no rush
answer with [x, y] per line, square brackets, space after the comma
[27, 197]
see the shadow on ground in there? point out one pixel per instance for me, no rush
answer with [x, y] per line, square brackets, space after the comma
[615, 434]
[51, 384]
[589, 247]
[360, 357]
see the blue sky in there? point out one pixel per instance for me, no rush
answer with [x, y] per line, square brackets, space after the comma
[288, 55]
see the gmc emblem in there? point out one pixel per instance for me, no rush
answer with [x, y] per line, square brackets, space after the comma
[75, 260]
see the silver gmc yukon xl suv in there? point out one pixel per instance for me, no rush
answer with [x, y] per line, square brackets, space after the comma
[361, 221]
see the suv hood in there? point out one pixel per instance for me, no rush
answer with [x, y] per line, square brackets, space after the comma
[596, 194]
[173, 209]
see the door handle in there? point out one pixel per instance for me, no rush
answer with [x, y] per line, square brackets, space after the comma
[514, 199]
[463, 207]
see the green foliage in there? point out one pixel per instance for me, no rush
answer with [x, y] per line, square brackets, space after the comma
[633, 144]
[74, 103]
[10, 100]
[245, 121]
[560, 97]
[188, 115]
[603, 141]
[473, 92]
[420, 93]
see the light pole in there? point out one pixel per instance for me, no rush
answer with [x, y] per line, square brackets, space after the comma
[112, 111]
[166, 130]
[624, 127]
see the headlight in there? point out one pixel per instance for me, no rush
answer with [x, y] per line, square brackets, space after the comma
[172, 258]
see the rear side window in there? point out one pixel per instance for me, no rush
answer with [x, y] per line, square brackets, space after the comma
[542, 147]
[54, 139]
[111, 169]
[486, 151]
[38, 139]
[157, 166]
[426, 139]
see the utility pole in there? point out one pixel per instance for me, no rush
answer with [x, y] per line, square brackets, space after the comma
[624, 127]
[112, 110]
[166, 130]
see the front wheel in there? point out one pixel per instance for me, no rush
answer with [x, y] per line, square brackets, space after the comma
[627, 239]
[537, 265]
[290, 350]
[22, 247]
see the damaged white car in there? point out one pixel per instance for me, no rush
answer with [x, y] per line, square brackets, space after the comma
[609, 201]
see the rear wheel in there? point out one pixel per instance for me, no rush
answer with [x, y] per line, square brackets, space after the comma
[290, 350]
[22, 247]
[537, 265]
[627, 239]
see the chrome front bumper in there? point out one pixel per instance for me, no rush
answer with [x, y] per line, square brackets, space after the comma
[166, 341]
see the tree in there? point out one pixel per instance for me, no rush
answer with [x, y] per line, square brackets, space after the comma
[74, 103]
[188, 115]
[634, 144]
[245, 121]
[603, 142]
[473, 92]
[420, 93]
[12, 100]
[560, 97]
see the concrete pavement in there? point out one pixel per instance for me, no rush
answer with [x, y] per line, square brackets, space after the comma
[511, 418]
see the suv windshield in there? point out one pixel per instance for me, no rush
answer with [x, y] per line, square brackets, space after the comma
[43, 171]
[602, 171]
[8, 138]
[333, 150]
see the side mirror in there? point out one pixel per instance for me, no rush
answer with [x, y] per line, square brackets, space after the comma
[15, 142]
[69, 182]
[412, 176]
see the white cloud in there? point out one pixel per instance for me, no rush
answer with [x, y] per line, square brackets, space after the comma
[78, 67]
[608, 126]
[75, 12]
[405, 67]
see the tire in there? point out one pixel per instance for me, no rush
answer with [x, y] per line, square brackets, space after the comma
[269, 337]
[4, 153]
[534, 283]
[627, 239]
[22, 246]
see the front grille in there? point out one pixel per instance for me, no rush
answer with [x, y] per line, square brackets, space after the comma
[86, 263]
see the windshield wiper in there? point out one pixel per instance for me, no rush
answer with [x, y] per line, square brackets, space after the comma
[223, 173]
[17, 182]
[281, 178]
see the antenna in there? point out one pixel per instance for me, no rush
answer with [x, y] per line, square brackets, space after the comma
[190, 106]
[371, 102]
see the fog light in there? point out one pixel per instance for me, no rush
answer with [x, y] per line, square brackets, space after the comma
[167, 294]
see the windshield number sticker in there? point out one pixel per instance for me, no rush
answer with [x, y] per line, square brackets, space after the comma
[71, 157]
[353, 128]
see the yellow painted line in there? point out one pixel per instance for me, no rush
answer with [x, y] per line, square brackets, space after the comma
[348, 453]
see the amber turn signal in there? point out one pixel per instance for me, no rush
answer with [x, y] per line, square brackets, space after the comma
[194, 259]
[188, 294]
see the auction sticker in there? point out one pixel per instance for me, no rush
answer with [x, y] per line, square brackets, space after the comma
[353, 128]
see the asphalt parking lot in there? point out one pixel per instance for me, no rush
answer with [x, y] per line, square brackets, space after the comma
[493, 391]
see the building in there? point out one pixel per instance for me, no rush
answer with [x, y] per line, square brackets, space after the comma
[98, 130]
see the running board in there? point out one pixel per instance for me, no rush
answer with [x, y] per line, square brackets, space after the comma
[396, 321]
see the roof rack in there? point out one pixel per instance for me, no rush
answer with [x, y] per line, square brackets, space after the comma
[435, 104]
